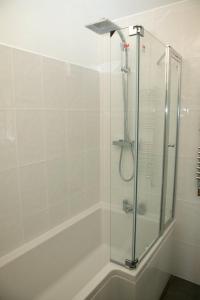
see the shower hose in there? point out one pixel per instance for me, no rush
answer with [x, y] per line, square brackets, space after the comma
[126, 179]
[127, 143]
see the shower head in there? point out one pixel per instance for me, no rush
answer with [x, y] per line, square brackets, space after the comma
[103, 26]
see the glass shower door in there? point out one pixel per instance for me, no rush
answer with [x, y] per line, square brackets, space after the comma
[172, 116]
[143, 142]
[151, 117]
[136, 203]
[122, 148]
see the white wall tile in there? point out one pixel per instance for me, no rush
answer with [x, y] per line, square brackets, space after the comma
[188, 222]
[76, 203]
[91, 168]
[91, 177]
[190, 87]
[186, 179]
[75, 127]
[58, 213]
[30, 133]
[92, 130]
[91, 89]
[8, 155]
[83, 92]
[75, 100]
[55, 75]
[57, 181]
[33, 188]
[9, 196]
[186, 261]
[54, 133]
[6, 80]
[91, 195]
[48, 119]
[11, 233]
[35, 224]
[27, 79]
[75, 169]
[189, 137]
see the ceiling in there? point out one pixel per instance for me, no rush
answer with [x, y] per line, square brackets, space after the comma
[57, 27]
[114, 9]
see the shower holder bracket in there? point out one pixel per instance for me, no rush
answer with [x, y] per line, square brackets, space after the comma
[136, 30]
[131, 264]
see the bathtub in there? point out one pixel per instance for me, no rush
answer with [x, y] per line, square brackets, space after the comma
[57, 264]
[146, 282]
[116, 286]
[72, 260]
[121, 234]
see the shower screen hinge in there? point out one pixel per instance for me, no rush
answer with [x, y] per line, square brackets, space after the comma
[131, 264]
[136, 30]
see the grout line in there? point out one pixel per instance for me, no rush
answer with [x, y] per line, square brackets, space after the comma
[48, 109]
[17, 147]
[44, 140]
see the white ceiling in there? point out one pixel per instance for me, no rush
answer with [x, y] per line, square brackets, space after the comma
[114, 9]
[56, 27]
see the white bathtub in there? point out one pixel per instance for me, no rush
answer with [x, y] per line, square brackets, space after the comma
[58, 264]
[121, 234]
[71, 260]
[150, 277]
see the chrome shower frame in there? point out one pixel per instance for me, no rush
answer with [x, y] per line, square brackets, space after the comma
[138, 32]
[170, 53]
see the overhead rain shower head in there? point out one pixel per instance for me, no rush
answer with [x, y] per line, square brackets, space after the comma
[103, 26]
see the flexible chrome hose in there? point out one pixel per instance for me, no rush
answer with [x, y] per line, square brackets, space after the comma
[127, 141]
[120, 164]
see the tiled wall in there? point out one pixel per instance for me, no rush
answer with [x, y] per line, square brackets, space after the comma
[179, 24]
[49, 144]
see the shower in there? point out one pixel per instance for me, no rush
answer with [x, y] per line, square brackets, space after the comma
[148, 77]
[105, 26]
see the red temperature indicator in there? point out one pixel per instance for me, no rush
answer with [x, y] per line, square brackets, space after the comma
[126, 45]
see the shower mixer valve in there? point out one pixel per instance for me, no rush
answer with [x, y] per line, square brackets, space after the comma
[122, 143]
[127, 206]
[125, 70]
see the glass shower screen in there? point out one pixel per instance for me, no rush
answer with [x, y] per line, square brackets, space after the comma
[122, 147]
[142, 123]
[151, 126]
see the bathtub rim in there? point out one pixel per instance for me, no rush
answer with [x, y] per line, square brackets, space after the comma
[133, 274]
[46, 236]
